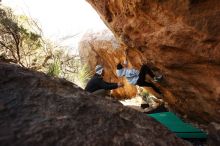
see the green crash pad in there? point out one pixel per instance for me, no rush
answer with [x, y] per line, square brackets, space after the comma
[176, 125]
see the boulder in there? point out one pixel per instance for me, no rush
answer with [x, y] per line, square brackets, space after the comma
[42, 110]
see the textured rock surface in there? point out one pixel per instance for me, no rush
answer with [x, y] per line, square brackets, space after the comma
[40, 110]
[214, 134]
[181, 38]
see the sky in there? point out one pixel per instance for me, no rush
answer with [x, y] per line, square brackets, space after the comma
[60, 18]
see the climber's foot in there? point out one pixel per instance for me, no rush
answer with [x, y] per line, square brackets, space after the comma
[158, 78]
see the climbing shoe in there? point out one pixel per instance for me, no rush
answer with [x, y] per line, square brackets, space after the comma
[158, 78]
[145, 105]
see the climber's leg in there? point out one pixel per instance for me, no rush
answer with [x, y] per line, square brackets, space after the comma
[146, 84]
[145, 70]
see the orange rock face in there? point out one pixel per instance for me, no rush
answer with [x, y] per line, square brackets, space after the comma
[179, 37]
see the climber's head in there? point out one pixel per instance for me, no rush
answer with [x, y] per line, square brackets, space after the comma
[119, 66]
[99, 70]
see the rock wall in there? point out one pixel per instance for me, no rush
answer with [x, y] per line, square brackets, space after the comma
[181, 38]
[36, 109]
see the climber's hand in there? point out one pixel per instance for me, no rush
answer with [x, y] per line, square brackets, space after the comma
[120, 84]
[125, 63]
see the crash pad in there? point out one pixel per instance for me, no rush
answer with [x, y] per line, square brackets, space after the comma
[177, 126]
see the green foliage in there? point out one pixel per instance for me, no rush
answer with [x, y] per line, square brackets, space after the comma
[145, 93]
[9, 36]
[54, 68]
[83, 75]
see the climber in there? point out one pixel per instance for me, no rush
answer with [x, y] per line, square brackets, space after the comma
[97, 84]
[136, 77]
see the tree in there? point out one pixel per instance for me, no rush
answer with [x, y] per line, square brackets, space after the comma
[9, 35]
[21, 42]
